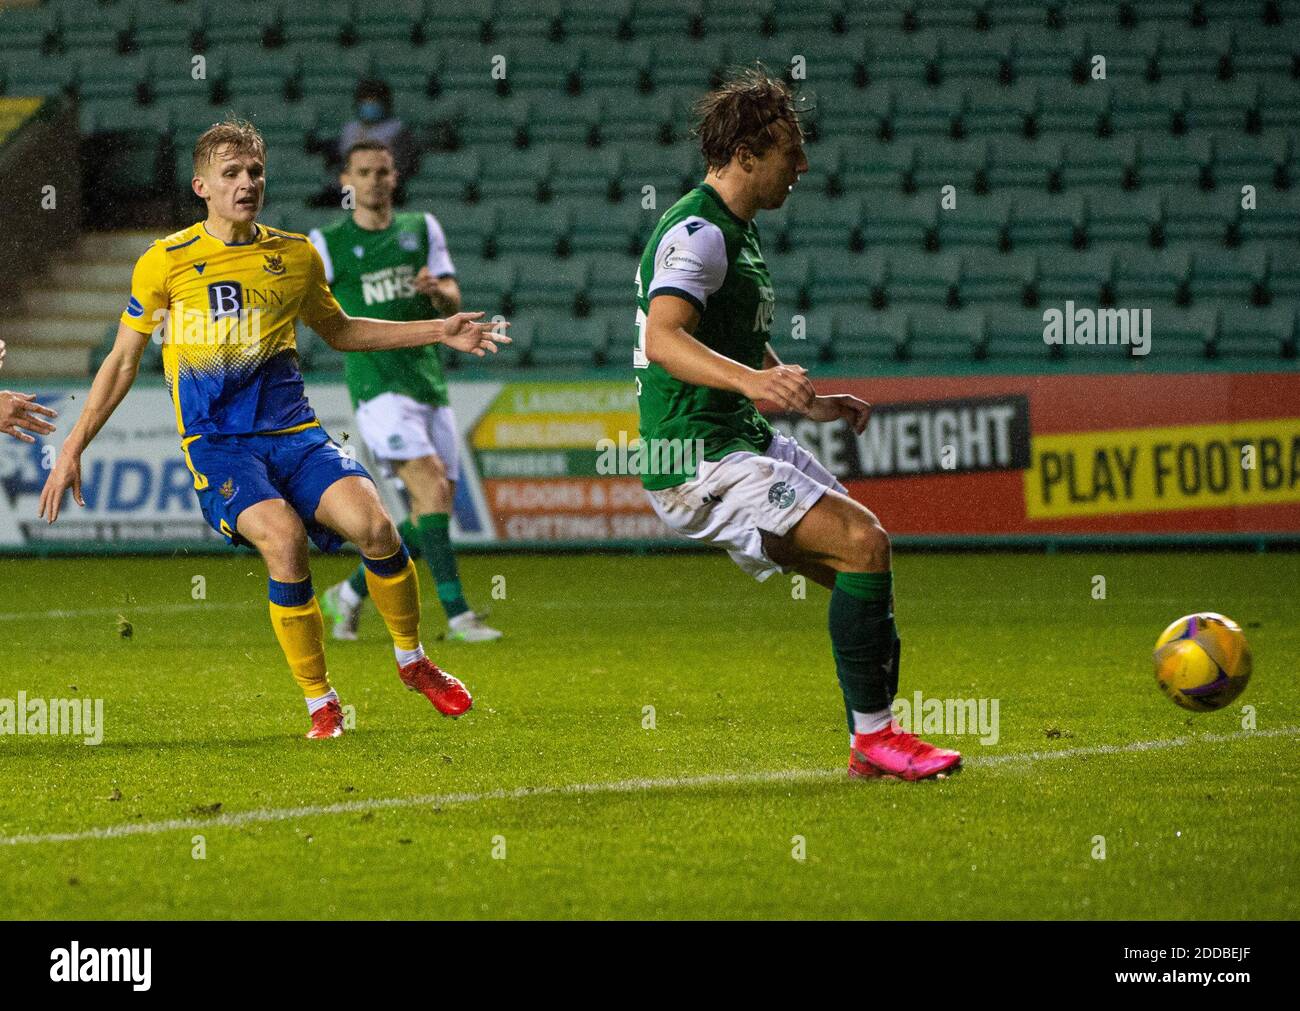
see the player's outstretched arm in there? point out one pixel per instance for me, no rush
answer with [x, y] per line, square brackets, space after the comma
[670, 344]
[111, 384]
[828, 408]
[461, 331]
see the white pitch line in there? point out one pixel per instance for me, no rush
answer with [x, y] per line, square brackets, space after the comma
[235, 819]
[92, 612]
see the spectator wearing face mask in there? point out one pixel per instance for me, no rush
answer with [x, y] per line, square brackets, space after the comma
[376, 120]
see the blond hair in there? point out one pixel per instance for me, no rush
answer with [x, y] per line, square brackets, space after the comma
[240, 135]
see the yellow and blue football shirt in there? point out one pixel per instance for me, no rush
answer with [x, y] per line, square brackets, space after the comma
[227, 311]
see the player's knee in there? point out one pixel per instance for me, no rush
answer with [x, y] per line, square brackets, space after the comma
[867, 547]
[377, 538]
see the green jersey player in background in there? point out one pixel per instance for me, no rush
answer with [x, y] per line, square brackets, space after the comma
[705, 305]
[395, 265]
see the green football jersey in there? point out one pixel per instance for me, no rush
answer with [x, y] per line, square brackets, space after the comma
[372, 273]
[700, 251]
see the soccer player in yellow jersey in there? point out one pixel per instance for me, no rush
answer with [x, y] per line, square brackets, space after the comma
[225, 292]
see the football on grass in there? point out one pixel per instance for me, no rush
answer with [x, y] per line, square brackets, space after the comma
[1202, 661]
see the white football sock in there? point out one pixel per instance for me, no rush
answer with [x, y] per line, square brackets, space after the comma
[405, 656]
[347, 595]
[316, 703]
[869, 723]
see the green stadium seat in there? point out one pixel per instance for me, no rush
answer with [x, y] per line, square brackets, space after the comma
[815, 17]
[1147, 108]
[611, 282]
[870, 340]
[1255, 333]
[510, 173]
[1182, 162]
[1282, 275]
[634, 119]
[588, 178]
[327, 70]
[1206, 219]
[392, 24]
[30, 72]
[998, 280]
[596, 19]
[982, 57]
[1281, 109]
[496, 123]
[1016, 163]
[608, 65]
[82, 26]
[950, 163]
[1182, 334]
[846, 113]
[484, 284]
[825, 224]
[1062, 107]
[1038, 219]
[533, 68]
[890, 220]
[468, 227]
[1145, 275]
[670, 18]
[1275, 218]
[1261, 161]
[837, 280]
[1266, 52]
[1014, 333]
[1085, 276]
[894, 58]
[932, 279]
[982, 221]
[999, 112]
[1045, 53]
[323, 21]
[816, 330]
[228, 23]
[27, 27]
[1222, 105]
[921, 111]
[1235, 275]
[1092, 163]
[866, 164]
[252, 79]
[1196, 53]
[564, 341]
[600, 227]
[670, 170]
[933, 335]
[1130, 55]
[567, 120]
[836, 61]
[791, 276]
[1119, 217]
[526, 227]
[690, 62]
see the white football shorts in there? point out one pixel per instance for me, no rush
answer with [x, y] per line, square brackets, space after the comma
[731, 501]
[396, 427]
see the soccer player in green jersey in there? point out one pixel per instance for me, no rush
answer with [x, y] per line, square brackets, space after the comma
[704, 309]
[395, 265]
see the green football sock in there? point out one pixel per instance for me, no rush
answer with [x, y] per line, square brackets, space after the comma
[433, 533]
[864, 640]
[358, 582]
[411, 538]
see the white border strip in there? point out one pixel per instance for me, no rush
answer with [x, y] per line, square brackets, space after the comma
[238, 818]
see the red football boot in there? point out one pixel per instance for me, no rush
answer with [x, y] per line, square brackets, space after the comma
[447, 694]
[895, 754]
[327, 721]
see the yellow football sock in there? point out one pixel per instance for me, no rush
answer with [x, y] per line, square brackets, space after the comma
[395, 588]
[300, 628]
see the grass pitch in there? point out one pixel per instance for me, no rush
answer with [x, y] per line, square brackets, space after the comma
[552, 799]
